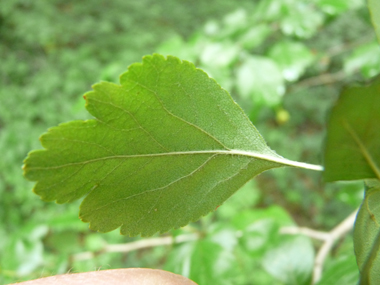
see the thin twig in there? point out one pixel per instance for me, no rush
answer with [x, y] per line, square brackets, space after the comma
[322, 79]
[306, 232]
[336, 233]
[330, 78]
[329, 239]
[339, 49]
[135, 245]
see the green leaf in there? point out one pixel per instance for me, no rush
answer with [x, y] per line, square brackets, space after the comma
[366, 58]
[300, 19]
[254, 36]
[350, 192]
[274, 213]
[219, 55]
[234, 22]
[209, 260]
[24, 250]
[367, 235]
[374, 9]
[260, 229]
[292, 261]
[246, 198]
[338, 6]
[166, 147]
[204, 262]
[260, 78]
[292, 58]
[343, 271]
[178, 47]
[268, 10]
[353, 138]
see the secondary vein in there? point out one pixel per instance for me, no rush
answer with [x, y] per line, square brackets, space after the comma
[363, 149]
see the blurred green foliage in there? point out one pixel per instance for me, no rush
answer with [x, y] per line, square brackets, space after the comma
[52, 51]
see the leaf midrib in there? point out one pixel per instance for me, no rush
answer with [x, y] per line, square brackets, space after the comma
[255, 155]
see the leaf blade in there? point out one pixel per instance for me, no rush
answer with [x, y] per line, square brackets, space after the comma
[166, 147]
[351, 147]
[367, 235]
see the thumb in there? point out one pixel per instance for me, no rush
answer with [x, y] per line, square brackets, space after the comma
[130, 276]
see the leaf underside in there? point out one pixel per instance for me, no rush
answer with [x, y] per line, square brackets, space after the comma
[158, 154]
[352, 146]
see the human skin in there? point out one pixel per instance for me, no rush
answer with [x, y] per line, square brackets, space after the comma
[130, 276]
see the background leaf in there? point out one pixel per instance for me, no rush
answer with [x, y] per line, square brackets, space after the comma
[374, 9]
[287, 264]
[338, 6]
[254, 36]
[260, 79]
[341, 272]
[352, 145]
[204, 262]
[367, 235]
[168, 145]
[292, 58]
[260, 229]
[302, 20]
[366, 59]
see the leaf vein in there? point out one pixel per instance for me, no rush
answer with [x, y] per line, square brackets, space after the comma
[179, 118]
[134, 118]
[156, 189]
[363, 149]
